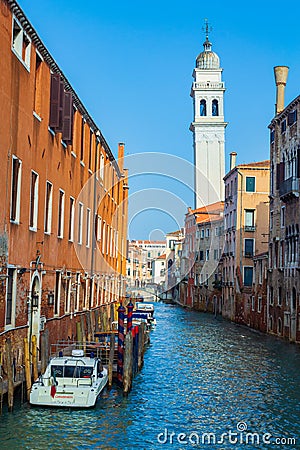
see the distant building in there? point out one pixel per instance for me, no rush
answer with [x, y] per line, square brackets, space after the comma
[201, 250]
[246, 230]
[159, 270]
[284, 246]
[141, 253]
[258, 308]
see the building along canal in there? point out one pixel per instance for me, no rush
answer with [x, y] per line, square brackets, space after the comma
[205, 383]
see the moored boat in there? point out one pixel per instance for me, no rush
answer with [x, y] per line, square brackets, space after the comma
[70, 381]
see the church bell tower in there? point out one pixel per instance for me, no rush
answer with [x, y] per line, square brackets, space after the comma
[208, 126]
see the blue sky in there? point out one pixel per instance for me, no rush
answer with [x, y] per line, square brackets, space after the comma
[131, 64]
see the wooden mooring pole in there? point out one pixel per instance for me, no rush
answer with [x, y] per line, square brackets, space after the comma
[111, 359]
[128, 363]
[10, 375]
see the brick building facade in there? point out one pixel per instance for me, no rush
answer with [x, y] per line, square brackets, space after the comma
[63, 220]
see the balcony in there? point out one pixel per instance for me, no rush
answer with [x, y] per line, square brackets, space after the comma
[249, 228]
[289, 188]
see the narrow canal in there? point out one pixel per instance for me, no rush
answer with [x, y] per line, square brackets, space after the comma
[201, 375]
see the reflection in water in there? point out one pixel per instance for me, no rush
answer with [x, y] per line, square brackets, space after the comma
[200, 375]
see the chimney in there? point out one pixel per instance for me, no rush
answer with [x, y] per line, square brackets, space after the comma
[281, 73]
[121, 147]
[232, 160]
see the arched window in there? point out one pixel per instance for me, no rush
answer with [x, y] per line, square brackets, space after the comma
[203, 108]
[215, 108]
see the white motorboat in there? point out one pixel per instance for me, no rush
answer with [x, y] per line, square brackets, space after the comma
[70, 381]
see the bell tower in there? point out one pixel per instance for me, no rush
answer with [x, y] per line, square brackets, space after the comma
[208, 126]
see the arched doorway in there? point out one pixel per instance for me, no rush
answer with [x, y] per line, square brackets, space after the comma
[34, 309]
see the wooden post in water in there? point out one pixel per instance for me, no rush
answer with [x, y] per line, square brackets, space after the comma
[121, 312]
[34, 357]
[101, 319]
[128, 363]
[111, 359]
[10, 375]
[141, 344]
[27, 367]
[96, 315]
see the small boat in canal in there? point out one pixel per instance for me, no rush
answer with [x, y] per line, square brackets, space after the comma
[70, 381]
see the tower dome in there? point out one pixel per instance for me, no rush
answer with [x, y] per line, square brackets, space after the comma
[207, 59]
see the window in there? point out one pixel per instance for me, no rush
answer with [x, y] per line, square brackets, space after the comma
[203, 108]
[201, 255]
[15, 190]
[207, 255]
[250, 184]
[33, 212]
[48, 207]
[11, 289]
[249, 217]
[207, 232]
[102, 167]
[216, 231]
[202, 233]
[21, 44]
[292, 117]
[271, 298]
[61, 211]
[88, 227]
[253, 303]
[38, 84]
[259, 304]
[282, 217]
[71, 219]
[103, 236]
[283, 126]
[78, 283]
[80, 220]
[82, 140]
[272, 136]
[215, 108]
[249, 247]
[216, 254]
[68, 291]
[90, 149]
[271, 220]
[248, 276]
[279, 300]
[57, 292]
[98, 229]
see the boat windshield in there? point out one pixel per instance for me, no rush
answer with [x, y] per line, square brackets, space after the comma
[71, 371]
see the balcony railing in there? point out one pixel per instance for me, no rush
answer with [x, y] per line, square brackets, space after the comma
[249, 227]
[289, 188]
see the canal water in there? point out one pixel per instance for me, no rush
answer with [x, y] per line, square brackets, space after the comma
[205, 383]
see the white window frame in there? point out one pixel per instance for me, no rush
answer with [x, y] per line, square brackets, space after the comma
[11, 325]
[88, 227]
[253, 303]
[48, 219]
[250, 192]
[71, 219]
[282, 217]
[78, 284]
[34, 202]
[16, 219]
[259, 304]
[57, 293]
[80, 222]
[99, 229]
[61, 214]
[103, 236]
[17, 44]
[68, 292]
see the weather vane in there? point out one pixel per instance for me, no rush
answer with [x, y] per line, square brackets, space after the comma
[207, 28]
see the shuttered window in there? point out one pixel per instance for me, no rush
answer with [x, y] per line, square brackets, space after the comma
[61, 109]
